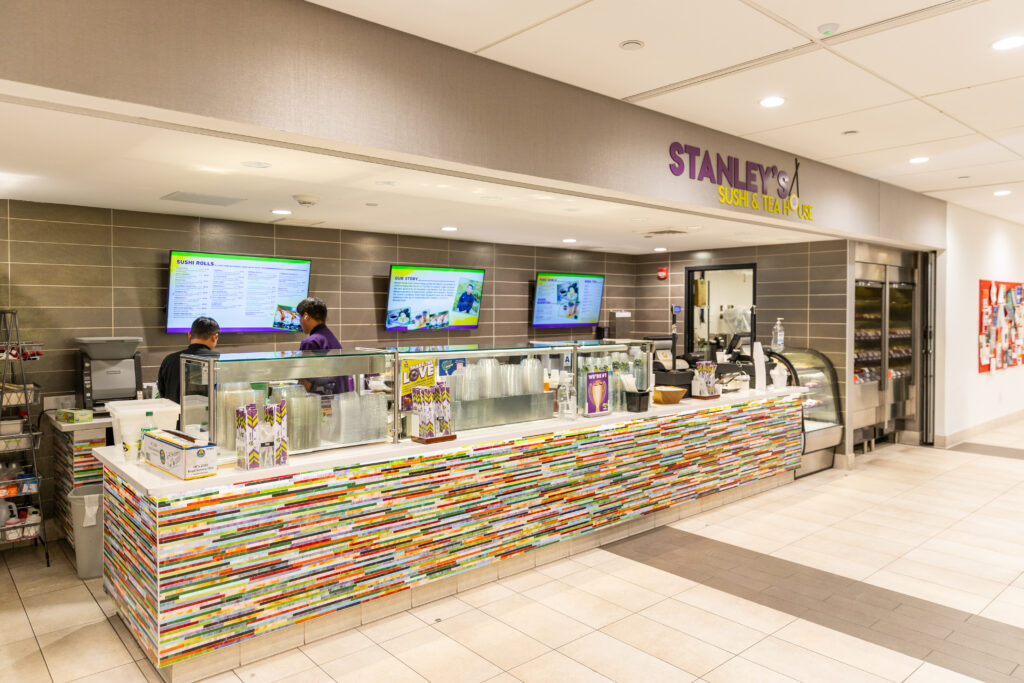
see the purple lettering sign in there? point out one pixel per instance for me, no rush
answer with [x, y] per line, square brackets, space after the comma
[728, 171]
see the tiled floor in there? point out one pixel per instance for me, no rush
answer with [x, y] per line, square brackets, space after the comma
[909, 568]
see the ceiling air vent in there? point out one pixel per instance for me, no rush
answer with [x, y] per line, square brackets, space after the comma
[664, 233]
[297, 222]
[196, 198]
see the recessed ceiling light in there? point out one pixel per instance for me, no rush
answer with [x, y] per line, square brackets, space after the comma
[372, 204]
[632, 44]
[490, 198]
[478, 190]
[256, 164]
[919, 160]
[828, 29]
[660, 249]
[569, 240]
[1002, 193]
[1010, 43]
[849, 132]
[282, 212]
[387, 182]
[962, 177]
[449, 228]
[773, 101]
[541, 196]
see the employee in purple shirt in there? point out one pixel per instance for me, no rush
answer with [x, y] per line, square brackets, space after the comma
[313, 319]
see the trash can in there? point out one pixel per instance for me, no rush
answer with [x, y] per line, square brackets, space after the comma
[87, 522]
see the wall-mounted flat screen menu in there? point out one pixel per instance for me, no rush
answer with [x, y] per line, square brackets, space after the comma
[567, 300]
[242, 293]
[433, 298]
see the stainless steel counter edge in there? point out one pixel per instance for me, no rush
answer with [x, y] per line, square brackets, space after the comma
[148, 480]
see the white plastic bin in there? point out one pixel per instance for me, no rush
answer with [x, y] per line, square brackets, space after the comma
[129, 417]
[87, 525]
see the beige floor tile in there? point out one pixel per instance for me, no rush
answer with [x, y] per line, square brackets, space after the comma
[649, 577]
[804, 665]
[524, 581]
[743, 539]
[947, 577]
[538, 621]
[149, 671]
[275, 668]
[613, 589]
[554, 667]
[32, 555]
[926, 590]
[104, 601]
[825, 562]
[439, 610]
[61, 609]
[391, 627]
[875, 659]
[315, 675]
[14, 623]
[595, 557]
[127, 638]
[223, 677]
[1006, 609]
[492, 639]
[126, 673]
[336, 646]
[21, 662]
[675, 647]
[438, 658]
[490, 592]
[370, 665]
[740, 670]
[764, 619]
[33, 578]
[557, 570]
[711, 628]
[82, 651]
[621, 662]
[929, 673]
[503, 678]
[584, 607]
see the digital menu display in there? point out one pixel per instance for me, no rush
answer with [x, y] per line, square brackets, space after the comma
[242, 293]
[433, 298]
[566, 300]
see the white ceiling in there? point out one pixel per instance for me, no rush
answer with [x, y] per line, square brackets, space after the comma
[913, 77]
[56, 156]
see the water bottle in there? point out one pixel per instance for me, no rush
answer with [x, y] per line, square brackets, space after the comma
[778, 344]
[567, 404]
[147, 426]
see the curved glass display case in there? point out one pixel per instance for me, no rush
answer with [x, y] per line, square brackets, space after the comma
[823, 424]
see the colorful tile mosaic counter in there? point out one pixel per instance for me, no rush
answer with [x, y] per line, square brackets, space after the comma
[197, 565]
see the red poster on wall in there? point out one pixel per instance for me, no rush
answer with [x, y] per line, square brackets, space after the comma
[1000, 325]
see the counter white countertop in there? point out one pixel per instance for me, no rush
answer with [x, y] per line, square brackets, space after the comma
[148, 480]
[97, 423]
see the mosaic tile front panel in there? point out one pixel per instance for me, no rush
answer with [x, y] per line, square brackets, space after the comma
[75, 466]
[245, 559]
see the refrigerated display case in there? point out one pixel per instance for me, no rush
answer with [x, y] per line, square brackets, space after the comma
[823, 424]
[901, 356]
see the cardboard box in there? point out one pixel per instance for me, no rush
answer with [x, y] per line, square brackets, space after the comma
[179, 454]
[71, 416]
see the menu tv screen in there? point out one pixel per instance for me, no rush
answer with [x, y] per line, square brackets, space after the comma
[428, 298]
[242, 293]
[566, 300]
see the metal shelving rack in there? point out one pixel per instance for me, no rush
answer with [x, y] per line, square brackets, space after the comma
[20, 448]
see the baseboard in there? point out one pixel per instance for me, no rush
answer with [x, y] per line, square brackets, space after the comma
[950, 440]
[282, 640]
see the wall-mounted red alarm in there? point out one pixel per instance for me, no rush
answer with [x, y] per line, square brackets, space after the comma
[662, 273]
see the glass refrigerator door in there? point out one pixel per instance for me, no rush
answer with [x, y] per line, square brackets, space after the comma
[901, 328]
[867, 345]
[821, 402]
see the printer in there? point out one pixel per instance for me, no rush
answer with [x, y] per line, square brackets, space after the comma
[109, 369]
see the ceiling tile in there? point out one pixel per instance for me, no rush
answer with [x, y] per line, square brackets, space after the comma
[892, 125]
[684, 38]
[960, 178]
[810, 14]
[815, 85]
[464, 24]
[1012, 138]
[987, 108]
[969, 150]
[981, 199]
[946, 52]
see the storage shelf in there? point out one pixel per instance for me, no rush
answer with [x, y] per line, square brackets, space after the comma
[20, 442]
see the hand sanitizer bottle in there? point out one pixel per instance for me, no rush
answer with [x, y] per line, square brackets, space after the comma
[778, 344]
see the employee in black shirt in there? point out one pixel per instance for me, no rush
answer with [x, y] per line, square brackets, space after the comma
[202, 339]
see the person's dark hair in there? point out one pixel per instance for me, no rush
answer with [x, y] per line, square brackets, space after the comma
[313, 306]
[204, 328]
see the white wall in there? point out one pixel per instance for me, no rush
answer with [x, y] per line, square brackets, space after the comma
[979, 247]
